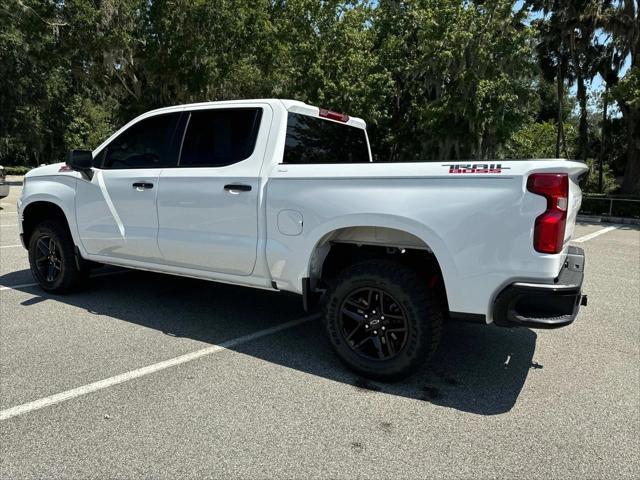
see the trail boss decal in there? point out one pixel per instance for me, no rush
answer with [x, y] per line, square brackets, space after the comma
[475, 167]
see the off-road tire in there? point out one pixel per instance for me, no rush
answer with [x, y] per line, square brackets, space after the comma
[69, 277]
[423, 313]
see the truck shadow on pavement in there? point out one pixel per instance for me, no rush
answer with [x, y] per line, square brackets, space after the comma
[478, 369]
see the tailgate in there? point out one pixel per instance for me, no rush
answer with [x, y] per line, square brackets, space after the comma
[575, 201]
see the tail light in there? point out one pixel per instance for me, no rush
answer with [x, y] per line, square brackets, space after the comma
[548, 234]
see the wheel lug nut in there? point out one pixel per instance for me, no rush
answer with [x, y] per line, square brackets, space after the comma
[382, 318]
[383, 328]
[375, 332]
[366, 316]
[366, 326]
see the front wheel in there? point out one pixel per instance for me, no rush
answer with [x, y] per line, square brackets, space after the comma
[382, 320]
[52, 258]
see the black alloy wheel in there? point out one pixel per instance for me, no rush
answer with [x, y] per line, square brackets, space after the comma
[48, 260]
[52, 258]
[374, 324]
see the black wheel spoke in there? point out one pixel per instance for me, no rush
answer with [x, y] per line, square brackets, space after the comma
[42, 247]
[377, 302]
[50, 272]
[377, 343]
[389, 344]
[361, 343]
[399, 330]
[354, 331]
[353, 315]
[369, 298]
[353, 303]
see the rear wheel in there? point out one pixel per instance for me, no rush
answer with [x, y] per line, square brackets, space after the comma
[381, 320]
[52, 258]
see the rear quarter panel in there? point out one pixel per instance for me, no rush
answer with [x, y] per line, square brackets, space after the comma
[479, 226]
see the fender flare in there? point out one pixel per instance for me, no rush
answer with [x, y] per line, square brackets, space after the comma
[432, 241]
[44, 197]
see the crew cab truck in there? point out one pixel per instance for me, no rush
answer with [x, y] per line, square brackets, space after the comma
[281, 195]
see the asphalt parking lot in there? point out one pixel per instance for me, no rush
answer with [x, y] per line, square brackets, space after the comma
[241, 383]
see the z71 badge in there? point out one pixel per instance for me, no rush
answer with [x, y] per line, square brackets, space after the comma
[475, 167]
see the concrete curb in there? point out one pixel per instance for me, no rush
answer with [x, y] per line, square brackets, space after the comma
[599, 219]
[14, 180]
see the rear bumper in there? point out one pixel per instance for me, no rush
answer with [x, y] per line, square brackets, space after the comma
[541, 305]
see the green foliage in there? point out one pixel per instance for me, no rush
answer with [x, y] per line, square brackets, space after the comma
[537, 140]
[462, 76]
[19, 170]
[88, 123]
[628, 90]
[590, 184]
[434, 79]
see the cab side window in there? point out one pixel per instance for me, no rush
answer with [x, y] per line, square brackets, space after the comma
[149, 143]
[220, 137]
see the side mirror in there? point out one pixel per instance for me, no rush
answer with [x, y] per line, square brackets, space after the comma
[80, 160]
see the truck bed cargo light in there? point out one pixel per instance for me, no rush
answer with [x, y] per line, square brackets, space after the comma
[339, 117]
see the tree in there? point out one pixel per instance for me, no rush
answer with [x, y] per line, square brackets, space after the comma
[461, 76]
[435, 79]
[553, 56]
[622, 22]
[32, 85]
[537, 140]
[609, 63]
[567, 53]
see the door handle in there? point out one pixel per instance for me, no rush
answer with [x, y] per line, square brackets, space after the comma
[140, 186]
[237, 187]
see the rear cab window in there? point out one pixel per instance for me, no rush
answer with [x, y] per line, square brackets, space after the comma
[220, 137]
[312, 140]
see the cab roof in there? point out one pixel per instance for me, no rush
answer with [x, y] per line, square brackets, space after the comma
[293, 106]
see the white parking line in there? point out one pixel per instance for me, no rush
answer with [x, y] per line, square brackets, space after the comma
[9, 225]
[595, 234]
[10, 246]
[149, 369]
[24, 285]
[14, 287]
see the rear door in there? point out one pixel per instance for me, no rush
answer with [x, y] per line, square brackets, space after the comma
[116, 210]
[208, 205]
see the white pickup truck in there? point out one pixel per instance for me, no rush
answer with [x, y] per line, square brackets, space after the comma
[281, 195]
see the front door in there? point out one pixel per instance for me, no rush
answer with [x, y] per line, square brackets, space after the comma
[116, 210]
